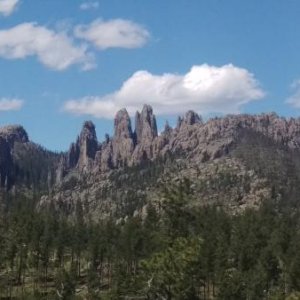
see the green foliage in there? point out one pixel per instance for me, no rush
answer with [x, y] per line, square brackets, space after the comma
[175, 251]
[174, 273]
[65, 285]
[34, 166]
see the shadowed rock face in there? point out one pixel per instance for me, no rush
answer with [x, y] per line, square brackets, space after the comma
[191, 118]
[73, 154]
[9, 136]
[81, 155]
[14, 133]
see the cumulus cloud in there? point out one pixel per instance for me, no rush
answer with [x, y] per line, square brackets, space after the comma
[117, 33]
[294, 99]
[89, 5]
[7, 7]
[205, 89]
[7, 104]
[54, 49]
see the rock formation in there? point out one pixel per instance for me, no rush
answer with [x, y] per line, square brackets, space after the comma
[122, 142]
[145, 132]
[191, 118]
[190, 138]
[194, 149]
[9, 135]
[145, 125]
[82, 153]
[14, 133]
[88, 146]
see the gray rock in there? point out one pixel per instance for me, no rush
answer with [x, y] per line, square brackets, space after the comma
[191, 138]
[122, 142]
[14, 133]
[88, 146]
[145, 132]
[145, 125]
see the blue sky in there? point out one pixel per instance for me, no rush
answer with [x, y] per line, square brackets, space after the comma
[63, 62]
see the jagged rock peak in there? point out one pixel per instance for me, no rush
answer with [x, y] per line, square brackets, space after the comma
[88, 128]
[123, 140]
[14, 133]
[191, 118]
[145, 125]
[122, 125]
[88, 146]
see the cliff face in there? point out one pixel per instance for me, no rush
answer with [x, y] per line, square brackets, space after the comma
[214, 155]
[145, 132]
[24, 164]
[9, 136]
[89, 169]
[122, 142]
[88, 146]
[13, 134]
[191, 138]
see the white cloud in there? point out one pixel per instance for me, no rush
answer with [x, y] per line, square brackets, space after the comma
[89, 5]
[7, 104]
[54, 49]
[7, 7]
[205, 89]
[294, 99]
[117, 33]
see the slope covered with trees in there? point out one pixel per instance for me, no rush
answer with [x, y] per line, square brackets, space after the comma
[175, 251]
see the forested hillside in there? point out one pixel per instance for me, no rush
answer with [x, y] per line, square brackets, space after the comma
[173, 252]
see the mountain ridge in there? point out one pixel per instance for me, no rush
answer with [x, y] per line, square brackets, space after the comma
[131, 147]
[121, 174]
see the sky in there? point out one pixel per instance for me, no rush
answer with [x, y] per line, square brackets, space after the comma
[64, 62]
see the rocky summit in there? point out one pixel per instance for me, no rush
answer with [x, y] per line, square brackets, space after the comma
[120, 175]
[191, 137]
[123, 173]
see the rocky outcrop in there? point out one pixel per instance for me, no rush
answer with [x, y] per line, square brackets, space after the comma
[145, 125]
[191, 138]
[145, 132]
[123, 141]
[104, 161]
[88, 146]
[81, 155]
[61, 170]
[9, 136]
[27, 166]
[194, 149]
[191, 118]
[14, 133]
